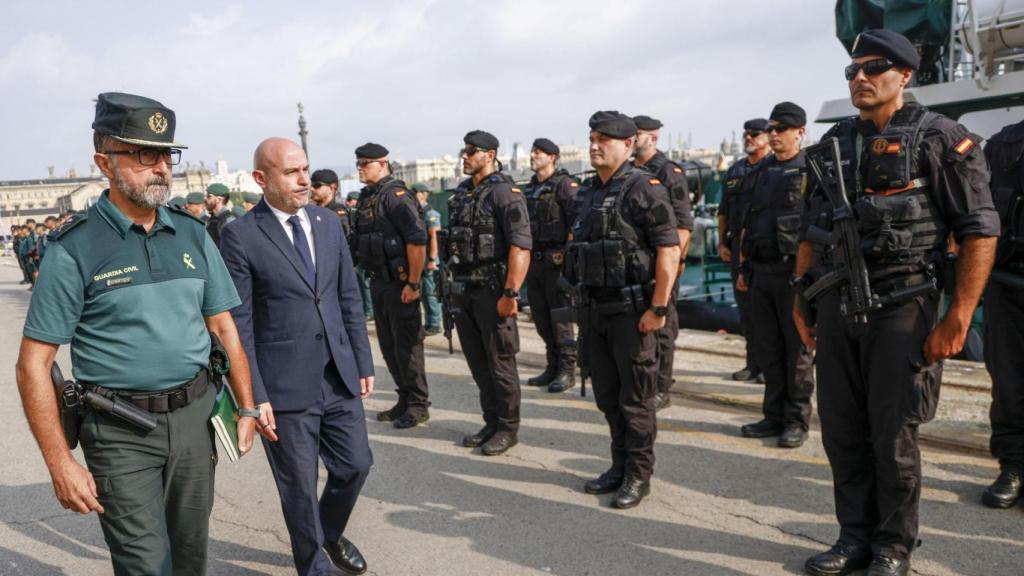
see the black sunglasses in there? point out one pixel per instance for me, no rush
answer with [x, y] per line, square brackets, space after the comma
[471, 150]
[870, 68]
[753, 133]
[778, 129]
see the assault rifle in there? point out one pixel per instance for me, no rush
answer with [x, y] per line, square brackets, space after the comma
[850, 272]
[445, 282]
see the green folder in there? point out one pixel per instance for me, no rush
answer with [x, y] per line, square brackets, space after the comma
[225, 422]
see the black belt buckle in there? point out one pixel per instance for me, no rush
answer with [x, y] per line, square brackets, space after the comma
[177, 399]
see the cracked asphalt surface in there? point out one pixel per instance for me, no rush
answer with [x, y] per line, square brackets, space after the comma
[720, 504]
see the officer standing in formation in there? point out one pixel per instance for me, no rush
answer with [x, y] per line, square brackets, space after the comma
[769, 245]
[217, 208]
[389, 241]
[488, 252]
[673, 178]
[625, 256]
[913, 177]
[324, 193]
[731, 213]
[550, 200]
[194, 202]
[153, 491]
[250, 200]
[1004, 318]
[432, 222]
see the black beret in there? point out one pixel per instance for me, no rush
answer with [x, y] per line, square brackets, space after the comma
[371, 151]
[135, 120]
[323, 176]
[789, 114]
[546, 146]
[482, 140]
[756, 124]
[892, 45]
[613, 124]
[647, 123]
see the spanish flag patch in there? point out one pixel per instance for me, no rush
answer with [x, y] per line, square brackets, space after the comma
[574, 185]
[400, 192]
[514, 189]
[964, 145]
[654, 181]
[893, 148]
[677, 170]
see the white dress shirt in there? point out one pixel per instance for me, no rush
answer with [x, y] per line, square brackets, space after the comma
[307, 227]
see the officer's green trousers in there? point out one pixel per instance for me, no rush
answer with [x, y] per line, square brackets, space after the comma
[156, 489]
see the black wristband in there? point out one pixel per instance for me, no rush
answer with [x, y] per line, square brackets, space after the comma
[510, 293]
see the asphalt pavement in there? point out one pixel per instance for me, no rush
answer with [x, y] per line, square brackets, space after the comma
[720, 504]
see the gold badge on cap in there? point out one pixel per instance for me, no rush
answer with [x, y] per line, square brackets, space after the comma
[158, 123]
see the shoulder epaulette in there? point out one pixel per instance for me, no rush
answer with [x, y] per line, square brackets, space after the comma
[64, 229]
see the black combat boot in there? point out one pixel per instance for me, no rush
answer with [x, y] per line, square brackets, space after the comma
[1006, 490]
[545, 377]
[887, 566]
[566, 377]
[838, 560]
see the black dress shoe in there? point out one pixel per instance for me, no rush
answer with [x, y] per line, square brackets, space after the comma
[480, 437]
[605, 483]
[745, 375]
[544, 378]
[1006, 490]
[391, 414]
[762, 429]
[499, 443]
[886, 566]
[838, 560]
[412, 419]
[345, 556]
[632, 491]
[661, 400]
[792, 437]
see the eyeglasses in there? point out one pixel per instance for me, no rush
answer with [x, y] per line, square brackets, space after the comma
[753, 133]
[364, 162]
[150, 156]
[870, 68]
[778, 129]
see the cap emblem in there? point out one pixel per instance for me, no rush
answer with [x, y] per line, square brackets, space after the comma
[158, 123]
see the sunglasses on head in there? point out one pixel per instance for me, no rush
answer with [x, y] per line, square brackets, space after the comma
[870, 68]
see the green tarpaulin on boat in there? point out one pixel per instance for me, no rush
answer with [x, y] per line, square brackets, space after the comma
[922, 21]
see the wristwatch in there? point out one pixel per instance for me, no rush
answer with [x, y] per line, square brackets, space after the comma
[510, 293]
[249, 413]
[799, 283]
[414, 285]
[660, 311]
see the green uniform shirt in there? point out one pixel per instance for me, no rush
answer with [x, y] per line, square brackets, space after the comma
[131, 304]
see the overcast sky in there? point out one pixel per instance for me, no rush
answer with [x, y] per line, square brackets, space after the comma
[413, 75]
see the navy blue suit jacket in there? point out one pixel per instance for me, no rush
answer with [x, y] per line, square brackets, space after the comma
[289, 329]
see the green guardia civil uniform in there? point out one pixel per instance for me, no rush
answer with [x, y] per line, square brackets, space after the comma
[132, 304]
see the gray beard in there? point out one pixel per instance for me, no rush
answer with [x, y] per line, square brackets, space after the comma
[153, 194]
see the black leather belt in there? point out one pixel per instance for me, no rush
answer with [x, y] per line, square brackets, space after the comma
[168, 400]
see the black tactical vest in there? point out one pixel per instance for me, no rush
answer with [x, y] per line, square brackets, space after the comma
[548, 223]
[731, 188]
[471, 241]
[1005, 153]
[774, 219]
[899, 225]
[379, 247]
[608, 251]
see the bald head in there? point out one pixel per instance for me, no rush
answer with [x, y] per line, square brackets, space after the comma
[280, 168]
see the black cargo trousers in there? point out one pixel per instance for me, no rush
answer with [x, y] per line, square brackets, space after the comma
[874, 390]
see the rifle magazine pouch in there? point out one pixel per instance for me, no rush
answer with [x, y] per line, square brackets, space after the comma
[593, 264]
[886, 224]
[888, 162]
[614, 263]
[486, 250]
[787, 232]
